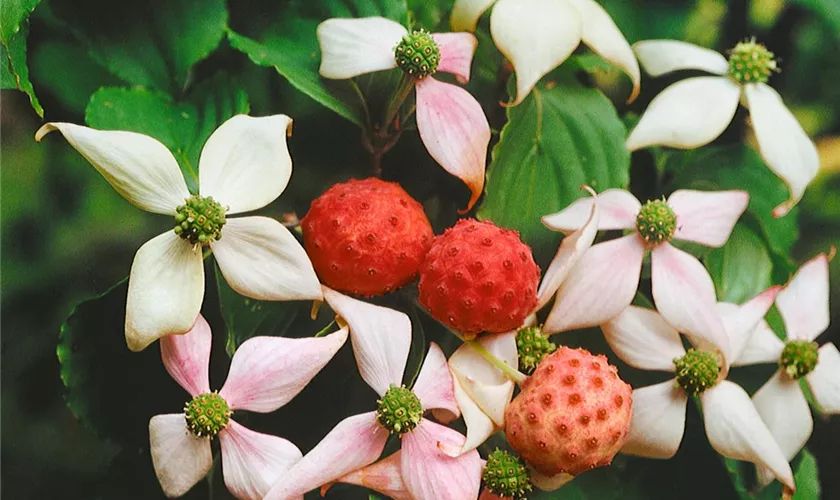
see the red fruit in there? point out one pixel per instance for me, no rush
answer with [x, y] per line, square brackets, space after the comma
[572, 415]
[478, 277]
[366, 237]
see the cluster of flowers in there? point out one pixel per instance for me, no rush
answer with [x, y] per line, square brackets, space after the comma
[370, 237]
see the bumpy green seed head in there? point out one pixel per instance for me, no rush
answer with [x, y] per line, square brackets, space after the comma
[506, 476]
[207, 414]
[697, 371]
[199, 220]
[533, 347]
[751, 62]
[399, 410]
[418, 54]
[656, 222]
[799, 358]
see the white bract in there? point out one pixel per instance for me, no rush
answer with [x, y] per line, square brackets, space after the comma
[695, 111]
[538, 35]
[244, 165]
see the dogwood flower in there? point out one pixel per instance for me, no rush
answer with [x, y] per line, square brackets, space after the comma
[645, 339]
[605, 280]
[244, 165]
[538, 35]
[265, 374]
[381, 338]
[695, 111]
[450, 121]
[803, 304]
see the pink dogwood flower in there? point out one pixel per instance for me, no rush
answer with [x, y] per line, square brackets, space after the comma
[605, 280]
[803, 304]
[450, 121]
[646, 340]
[381, 338]
[265, 374]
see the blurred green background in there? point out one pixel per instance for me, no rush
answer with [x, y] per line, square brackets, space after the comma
[67, 236]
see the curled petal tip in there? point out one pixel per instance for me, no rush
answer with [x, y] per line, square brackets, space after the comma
[783, 209]
[832, 252]
[44, 130]
[589, 190]
[449, 449]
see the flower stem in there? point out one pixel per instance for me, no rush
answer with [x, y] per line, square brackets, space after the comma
[509, 371]
[401, 93]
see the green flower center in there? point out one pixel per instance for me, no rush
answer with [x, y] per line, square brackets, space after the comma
[207, 414]
[506, 476]
[696, 371]
[199, 220]
[399, 410]
[533, 347]
[799, 358]
[418, 54]
[656, 222]
[751, 62]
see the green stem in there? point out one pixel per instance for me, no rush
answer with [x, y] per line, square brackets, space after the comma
[324, 330]
[404, 88]
[509, 371]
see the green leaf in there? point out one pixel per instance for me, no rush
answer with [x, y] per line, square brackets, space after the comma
[154, 44]
[742, 267]
[563, 136]
[13, 13]
[291, 47]
[14, 73]
[246, 318]
[183, 126]
[828, 10]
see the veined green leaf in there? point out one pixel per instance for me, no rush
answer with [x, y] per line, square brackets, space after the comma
[742, 267]
[14, 72]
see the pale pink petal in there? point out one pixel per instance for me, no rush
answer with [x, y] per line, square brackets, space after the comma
[352, 444]
[642, 339]
[384, 476]
[548, 483]
[252, 462]
[353, 47]
[466, 13]
[455, 131]
[707, 217]
[617, 209]
[267, 372]
[479, 425]
[664, 56]
[187, 357]
[825, 379]
[658, 421]
[601, 285]
[456, 53]
[785, 412]
[433, 386]
[735, 430]
[741, 322]
[381, 339]
[762, 347]
[430, 473]
[803, 303]
[179, 457]
[685, 296]
[600, 34]
[688, 114]
[785, 147]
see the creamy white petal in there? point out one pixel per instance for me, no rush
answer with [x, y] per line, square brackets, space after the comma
[688, 114]
[479, 425]
[735, 430]
[600, 34]
[658, 421]
[825, 379]
[663, 56]
[466, 13]
[487, 387]
[353, 47]
[643, 339]
[165, 290]
[803, 303]
[785, 412]
[547, 483]
[617, 209]
[741, 322]
[179, 457]
[762, 347]
[260, 258]
[138, 167]
[785, 147]
[536, 36]
[245, 164]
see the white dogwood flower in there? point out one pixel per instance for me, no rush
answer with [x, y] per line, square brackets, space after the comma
[244, 165]
[695, 111]
[538, 35]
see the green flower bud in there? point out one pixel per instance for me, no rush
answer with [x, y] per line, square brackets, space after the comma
[697, 371]
[505, 475]
[399, 410]
[533, 347]
[656, 222]
[417, 54]
[751, 62]
[799, 358]
[207, 414]
[199, 220]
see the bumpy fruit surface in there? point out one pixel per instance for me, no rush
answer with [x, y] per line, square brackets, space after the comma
[572, 415]
[478, 277]
[366, 237]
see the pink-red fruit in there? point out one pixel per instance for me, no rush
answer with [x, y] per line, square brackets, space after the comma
[572, 415]
[478, 277]
[366, 237]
